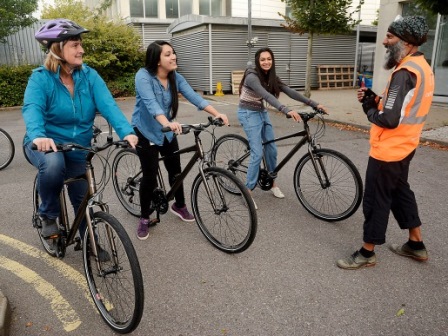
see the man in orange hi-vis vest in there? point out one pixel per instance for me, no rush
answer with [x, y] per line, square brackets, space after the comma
[397, 121]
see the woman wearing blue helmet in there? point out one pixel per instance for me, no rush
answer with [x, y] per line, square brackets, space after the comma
[60, 103]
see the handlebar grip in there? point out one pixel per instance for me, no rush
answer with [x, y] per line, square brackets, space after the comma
[166, 129]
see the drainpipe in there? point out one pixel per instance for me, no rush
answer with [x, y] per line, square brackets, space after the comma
[210, 58]
[436, 43]
[355, 71]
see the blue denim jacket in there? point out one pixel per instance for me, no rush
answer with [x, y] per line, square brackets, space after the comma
[152, 99]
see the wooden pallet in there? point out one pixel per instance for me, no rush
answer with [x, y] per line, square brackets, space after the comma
[237, 76]
[335, 76]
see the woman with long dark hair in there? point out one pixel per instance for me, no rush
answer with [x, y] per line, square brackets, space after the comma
[157, 87]
[261, 84]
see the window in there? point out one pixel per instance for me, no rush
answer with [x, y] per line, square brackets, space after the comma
[136, 7]
[172, 9]
[143, 8]
[185, 7]
[210, 7]
[151, 9]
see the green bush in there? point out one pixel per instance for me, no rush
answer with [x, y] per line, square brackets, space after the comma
[13, 81]
[123, 87]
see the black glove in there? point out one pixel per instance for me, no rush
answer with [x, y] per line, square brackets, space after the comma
[369, 101]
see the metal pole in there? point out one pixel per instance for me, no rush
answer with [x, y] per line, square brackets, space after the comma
[249, 32]
[355, 71]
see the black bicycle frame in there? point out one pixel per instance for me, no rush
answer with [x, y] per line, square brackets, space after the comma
[180, 178]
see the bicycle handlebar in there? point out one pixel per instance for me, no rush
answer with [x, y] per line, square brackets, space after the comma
[186, 128]
[72, 146]
[309, 115]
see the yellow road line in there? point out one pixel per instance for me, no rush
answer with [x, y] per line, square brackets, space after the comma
[66, 270]
[61, 308]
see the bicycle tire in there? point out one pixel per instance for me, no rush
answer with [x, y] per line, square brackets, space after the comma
[125, 167]
[338, 201]
[227, 154]
[233, 227]
[24, 151]
[117, 287]
[48, 244]
[7, 149]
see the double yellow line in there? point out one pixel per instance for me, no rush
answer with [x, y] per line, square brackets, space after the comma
[61, 308]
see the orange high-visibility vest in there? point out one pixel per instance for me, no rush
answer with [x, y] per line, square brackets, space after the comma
[395, 144]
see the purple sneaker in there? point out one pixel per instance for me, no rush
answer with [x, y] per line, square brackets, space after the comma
[182, 213]
[143, 229]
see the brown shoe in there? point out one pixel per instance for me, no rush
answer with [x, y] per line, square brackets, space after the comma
[405, 251]
[356, 261]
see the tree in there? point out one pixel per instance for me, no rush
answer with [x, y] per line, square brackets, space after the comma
[319, 17]
[112, 47]
[14, 15]
[434, 6]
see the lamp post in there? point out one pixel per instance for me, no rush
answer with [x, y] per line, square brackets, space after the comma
[249, 32]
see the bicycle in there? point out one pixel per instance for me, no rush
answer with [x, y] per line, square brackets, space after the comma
[326, 182]
[7, 149]
[228, 221]
[115, 280]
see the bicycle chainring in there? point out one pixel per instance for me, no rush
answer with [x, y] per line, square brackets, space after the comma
[159, 201]
[265, 181]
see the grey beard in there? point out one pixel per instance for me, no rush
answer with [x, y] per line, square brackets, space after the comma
[394, 55]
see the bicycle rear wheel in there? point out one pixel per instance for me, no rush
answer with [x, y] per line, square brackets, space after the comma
[117, 285]
[227, 219]
[48, 244]
[7, 149]
[126, 175]
[231, 152]
[337, 200]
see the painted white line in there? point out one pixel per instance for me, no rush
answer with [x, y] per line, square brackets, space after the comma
[61, 308]
[67, 271]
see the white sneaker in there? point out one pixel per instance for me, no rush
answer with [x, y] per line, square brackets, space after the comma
[277, 192]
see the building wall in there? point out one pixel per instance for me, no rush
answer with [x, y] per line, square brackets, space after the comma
[265, 9]
[368, 10]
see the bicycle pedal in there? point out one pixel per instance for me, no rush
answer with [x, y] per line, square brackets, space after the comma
[54, 236]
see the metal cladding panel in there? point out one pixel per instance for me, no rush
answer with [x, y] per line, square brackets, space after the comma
[151, 32]
[22, 48]
[193, 58]
[230, 53]
[332, 50]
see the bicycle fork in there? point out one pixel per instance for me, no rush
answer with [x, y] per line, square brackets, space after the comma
[319, 167]
[217, 210]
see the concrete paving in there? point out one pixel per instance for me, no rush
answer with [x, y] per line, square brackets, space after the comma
[343, 108]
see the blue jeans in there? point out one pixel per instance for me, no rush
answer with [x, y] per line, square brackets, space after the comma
[258, 128]
[53, 169]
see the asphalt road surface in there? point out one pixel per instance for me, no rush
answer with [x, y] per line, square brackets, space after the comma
[286, 283]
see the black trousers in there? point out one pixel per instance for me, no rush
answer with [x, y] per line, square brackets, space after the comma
[387, 189]
[149, 160]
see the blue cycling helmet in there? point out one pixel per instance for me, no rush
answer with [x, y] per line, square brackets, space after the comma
[58, 30]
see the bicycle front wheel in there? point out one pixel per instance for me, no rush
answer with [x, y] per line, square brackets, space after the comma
[231, 152]
[227, 219]
[7, 149]
[126, 176]
[116, 285]
[330, 186]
